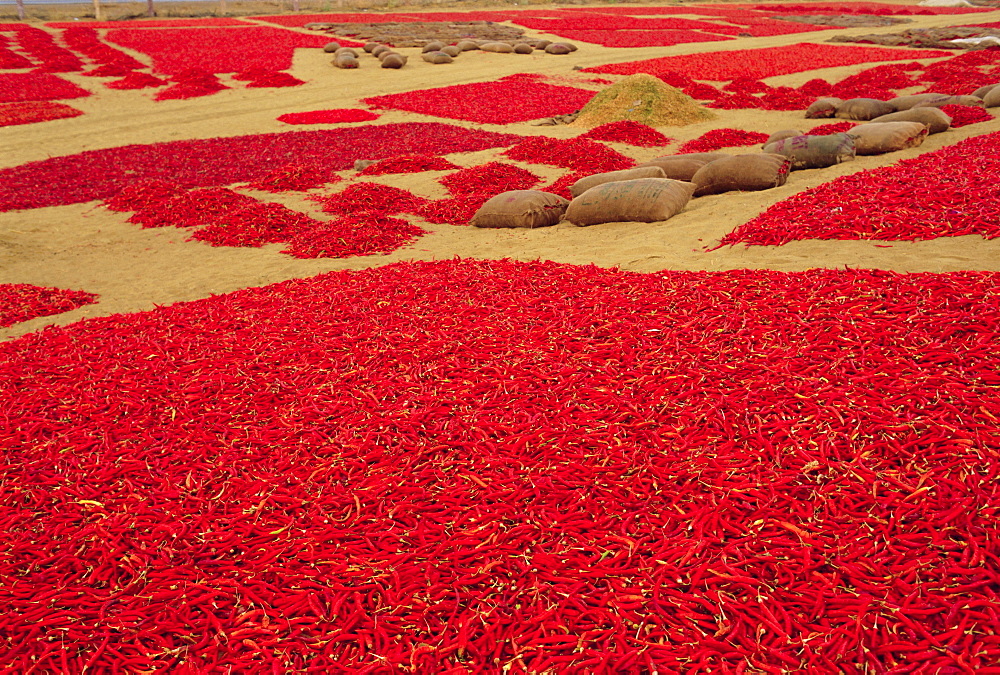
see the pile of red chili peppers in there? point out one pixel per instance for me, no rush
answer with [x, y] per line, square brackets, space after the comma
[37, 86]
[21, 302]
[507, 100]
[627, 131]
[30, 112]
[338, 116]
[485, 466]
[722, 138]
[408, 164]
[223, 217]
[100, 174]
[295, 177]
[580, 154]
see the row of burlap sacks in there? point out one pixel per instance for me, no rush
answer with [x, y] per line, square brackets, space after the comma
[660, 188]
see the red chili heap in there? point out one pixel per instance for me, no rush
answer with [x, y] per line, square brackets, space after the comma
[722, 138]
[223, 217]
[408, 164]
[580, 154]
[100, 174]
[30, 112]
[630, 132]
[485, 466]
[22, 302]
[510, 99]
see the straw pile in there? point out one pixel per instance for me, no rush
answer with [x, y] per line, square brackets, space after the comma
[645, 99]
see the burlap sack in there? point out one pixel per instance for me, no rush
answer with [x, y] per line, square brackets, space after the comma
[974, 101]
[704, 156]
[646, 200]
[451, 50]
[521, 208]
[558, 48]
[747, 173]
[934, 119]
[331, 47]
[523, 48]
[467, 45]
[434, 46]
[676, 167]
[823, 107]
[814, 152]
[783, 134]
[992, 99]
[982, 91]
[345, 50]
[863, 109]
[394, 61]
[436, 57]
[497, 47]
[878, 138]
[345, 61]
[370, 46]
[588, 182]
[907, 102]
[379, 49]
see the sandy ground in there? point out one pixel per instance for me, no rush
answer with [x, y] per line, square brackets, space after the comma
[87, 247]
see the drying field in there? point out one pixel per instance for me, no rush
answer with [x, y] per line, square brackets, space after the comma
[264, 411]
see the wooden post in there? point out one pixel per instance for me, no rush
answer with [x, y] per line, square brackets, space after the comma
[295, 5]
[20, 9]
[97, 9]
[150, 11]
[222, 7]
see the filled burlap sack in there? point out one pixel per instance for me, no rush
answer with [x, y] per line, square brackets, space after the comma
[436, 57]
[521, 208]
[451, 50]
[814, 152]
[497, 47]
[370, 46]
[992, 99]
[558, 48]
[863, 109]
[747, 173]
[823, 107]
[588, 182]
[394, 61]
[434, 46]
[676, 167]
[982, 91]
[973, 101]
[467, 45]
[331, 47]
[345, 61]
[379, 49]
[878, 138]
[934, 119]
[783, 134]
[907, 102]
[540, 44]
[704, 156]
[646, 200]
[345, 50]
[523, 48]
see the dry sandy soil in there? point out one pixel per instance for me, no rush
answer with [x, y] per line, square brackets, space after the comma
[90, 248]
